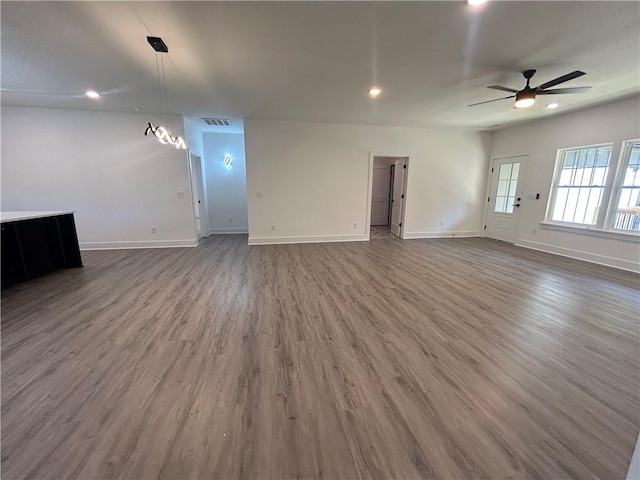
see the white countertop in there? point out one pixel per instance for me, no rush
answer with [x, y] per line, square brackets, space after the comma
[14, 216]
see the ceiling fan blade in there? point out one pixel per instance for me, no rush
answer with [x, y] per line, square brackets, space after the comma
[559, 80]
[504, 89]
[488, 101]
[558, 91]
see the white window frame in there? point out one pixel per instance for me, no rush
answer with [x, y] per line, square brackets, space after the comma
[606, 193]
[625, 158]
[610, 195]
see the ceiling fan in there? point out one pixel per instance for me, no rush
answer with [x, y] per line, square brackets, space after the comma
[527, 96]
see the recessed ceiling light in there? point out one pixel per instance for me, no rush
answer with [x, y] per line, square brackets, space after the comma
[375, 91]
[92, 94]
[553, 105]
[476, 2]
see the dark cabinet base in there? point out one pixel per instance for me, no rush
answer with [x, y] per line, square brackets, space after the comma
[36, 246]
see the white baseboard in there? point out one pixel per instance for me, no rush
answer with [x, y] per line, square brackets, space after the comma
[409, 235]
[226, 231]
[308, 239]
[137, 244]
[579, 255]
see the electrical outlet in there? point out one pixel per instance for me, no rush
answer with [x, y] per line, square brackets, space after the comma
[153, 229]
[533, 231]
[180, 194]
[230, 219]
[442, 223]
[355, 225]
[273, 228]
[259, 195]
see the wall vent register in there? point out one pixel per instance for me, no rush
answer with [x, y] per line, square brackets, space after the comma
[217, 122]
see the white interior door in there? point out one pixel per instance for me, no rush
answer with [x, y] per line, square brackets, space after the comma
[397, 196]
[505, 198]
[198, 197]
[380, 195]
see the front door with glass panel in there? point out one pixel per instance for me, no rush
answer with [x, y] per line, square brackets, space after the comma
[504, 199]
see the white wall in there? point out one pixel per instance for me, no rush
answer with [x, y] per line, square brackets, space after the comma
[99, 164]
[226, 187]
[540, 140]
[310, 181]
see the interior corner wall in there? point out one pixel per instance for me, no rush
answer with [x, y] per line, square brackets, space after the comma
[100, 165]
[193, 136]
[540, 140]
[308, 182]
[226, 187]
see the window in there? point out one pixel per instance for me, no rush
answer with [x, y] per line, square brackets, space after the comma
[627, 213]
[577, 195]
[506, 189]
[592, 190]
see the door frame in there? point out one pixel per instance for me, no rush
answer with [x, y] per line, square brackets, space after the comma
[407, 159]
[195, 192]
[488, 193]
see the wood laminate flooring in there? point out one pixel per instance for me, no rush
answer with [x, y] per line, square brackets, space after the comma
[446, 358]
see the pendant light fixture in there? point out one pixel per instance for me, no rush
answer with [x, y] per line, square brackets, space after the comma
[163, 135]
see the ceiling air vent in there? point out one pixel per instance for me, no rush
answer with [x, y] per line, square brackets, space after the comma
[218, 122]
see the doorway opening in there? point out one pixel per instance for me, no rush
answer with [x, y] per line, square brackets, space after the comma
[387, 199]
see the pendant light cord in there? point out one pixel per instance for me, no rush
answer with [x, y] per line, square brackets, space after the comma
[159, 81]
[164, 84]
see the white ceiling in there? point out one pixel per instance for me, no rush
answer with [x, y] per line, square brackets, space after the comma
[314, 61]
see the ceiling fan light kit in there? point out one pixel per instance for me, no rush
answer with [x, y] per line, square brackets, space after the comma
[527, 96]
